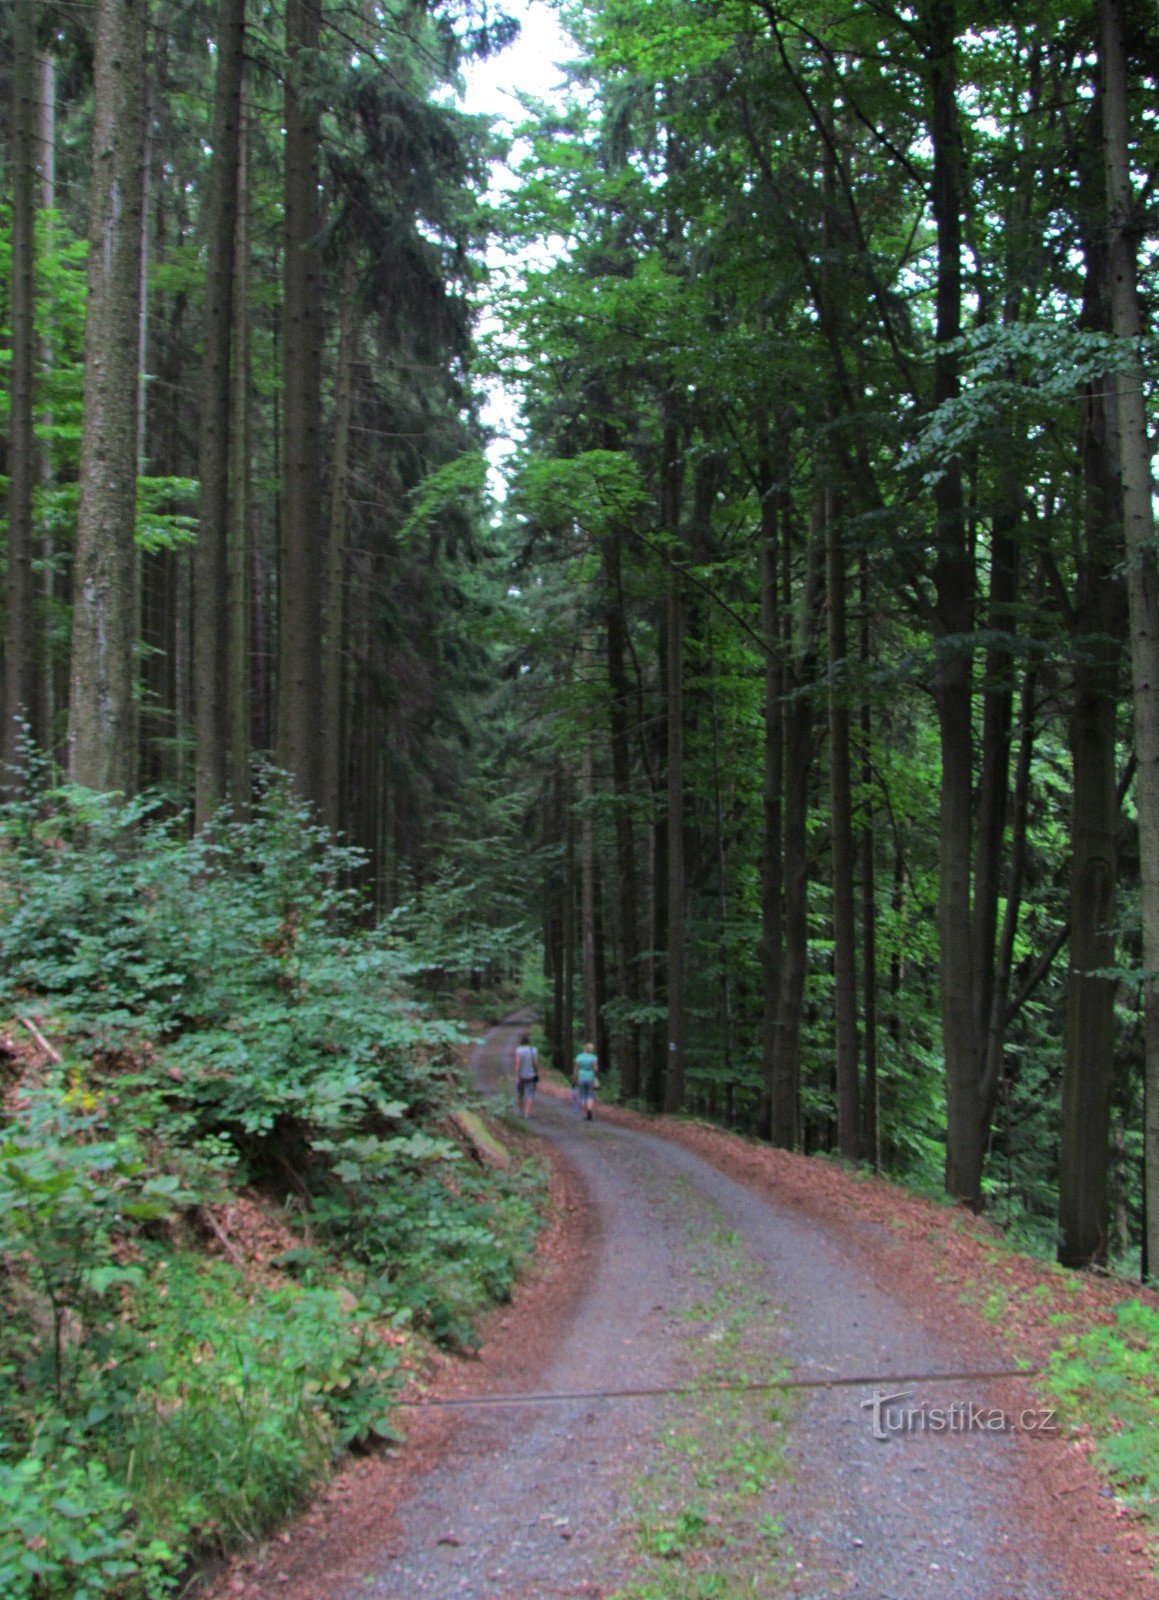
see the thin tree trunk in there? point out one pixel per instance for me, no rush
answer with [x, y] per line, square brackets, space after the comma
[567, 921]
[332, 588]
[671, 470]
[785, 1120]
[211, 554]
[628, 879]
[588, 896]
[870, 1144]
[843, 855]
[299, 680]
[19, 659]
[241, 541]
[101, 732]
[47, 690]
[772, 843]
[1134, 459]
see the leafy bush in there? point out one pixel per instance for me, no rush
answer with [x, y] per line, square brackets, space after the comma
[66, 1534]
[231, 1019]
[1108, 1377]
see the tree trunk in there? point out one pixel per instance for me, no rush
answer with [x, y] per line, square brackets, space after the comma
[100, 733]
[772, 843]
[670, 495]
[48, 691]
[19, 659]
[299, 679]
[211, 609]
[241, 540]
[954, 608]
[674, 1072]
[870, 1144]
[1090, 1001]
[1097, 628]
[333, 636]
[629, 930]
[841, 802]
[588, 896]
[1134, 460]
[784, 1107]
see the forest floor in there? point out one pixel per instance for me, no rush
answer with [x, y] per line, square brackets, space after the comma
[679, 1256]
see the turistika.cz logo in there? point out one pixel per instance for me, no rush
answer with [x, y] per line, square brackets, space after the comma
[892, 1416]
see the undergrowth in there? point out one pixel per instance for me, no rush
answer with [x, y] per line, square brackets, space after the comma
[229, 1022]
[1107, 1380]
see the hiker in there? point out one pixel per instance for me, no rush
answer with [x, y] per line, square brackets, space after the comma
[526, 1073]
[586, 1079]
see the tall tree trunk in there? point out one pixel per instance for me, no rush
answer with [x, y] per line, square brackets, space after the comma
[299, 680]
[785, 1120]
[211, 554]
[48, 692]
[1090, 1015]
[19, 659]
[954, 608]
[628, 881]
[994, 780]
[333, 638]
[772, 843]
[841, 803]
[1134, 460]
[674, 1073]
[100, 731]
[674, 1064]
[241, 512]
[588, 896]
[1097, 624]
[870, 1144]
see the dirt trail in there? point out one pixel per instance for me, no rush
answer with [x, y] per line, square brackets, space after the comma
[687, 1277]
[546, 1500]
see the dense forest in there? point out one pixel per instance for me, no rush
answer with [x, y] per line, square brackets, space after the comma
[796, 693]
[776, 705]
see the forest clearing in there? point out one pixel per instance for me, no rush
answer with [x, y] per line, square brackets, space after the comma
[636, 519]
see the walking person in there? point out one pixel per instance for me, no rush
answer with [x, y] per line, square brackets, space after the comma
[526, 1073]
[586, 1079]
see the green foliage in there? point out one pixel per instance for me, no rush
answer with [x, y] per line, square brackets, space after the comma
[66, 1533]
[1107, 1378]
[230, 1019]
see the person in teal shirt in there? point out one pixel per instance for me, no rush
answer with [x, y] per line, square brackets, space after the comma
[586, 1079]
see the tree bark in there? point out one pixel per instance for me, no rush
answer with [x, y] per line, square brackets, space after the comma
[674, 1064]
[101, 733]
[954, 615]
[211, 609]
[772, 842]
[1134, 460]
[241, 539]
[299, 619]
[785, 1121]
[333, 638]
[841, 804]
[49, 691]
[870, 1143]
[628, 949]
[19, 658]
[588, 895]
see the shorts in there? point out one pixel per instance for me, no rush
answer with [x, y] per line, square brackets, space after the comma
[586, 1088]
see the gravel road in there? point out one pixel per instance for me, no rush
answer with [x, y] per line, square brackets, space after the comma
[693, 1279]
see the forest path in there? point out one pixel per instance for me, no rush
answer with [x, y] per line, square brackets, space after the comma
[690, 1277]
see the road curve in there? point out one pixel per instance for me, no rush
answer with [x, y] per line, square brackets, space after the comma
[692, 1278]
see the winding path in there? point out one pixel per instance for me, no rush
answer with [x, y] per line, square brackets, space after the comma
[691, 1278]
